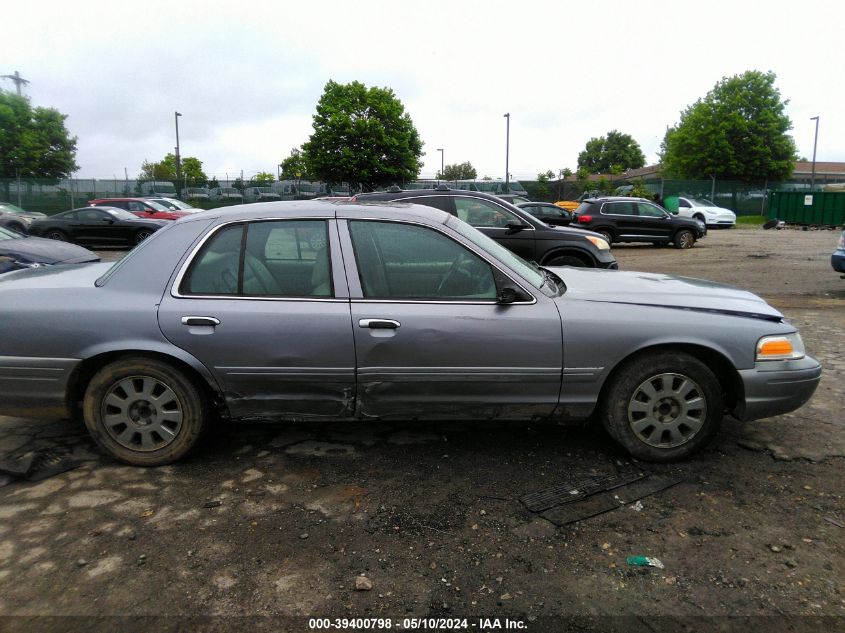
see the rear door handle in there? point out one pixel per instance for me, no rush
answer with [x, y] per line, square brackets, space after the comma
[379, 324]
[200, 320]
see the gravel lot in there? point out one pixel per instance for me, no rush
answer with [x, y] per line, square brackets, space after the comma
[280, 520]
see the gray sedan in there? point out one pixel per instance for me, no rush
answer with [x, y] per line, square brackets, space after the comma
[331, 310]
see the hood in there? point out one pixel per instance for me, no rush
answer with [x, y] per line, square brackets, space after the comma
[39, 250]
[664, 291]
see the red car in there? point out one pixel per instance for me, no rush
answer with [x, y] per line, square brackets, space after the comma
[140, 207]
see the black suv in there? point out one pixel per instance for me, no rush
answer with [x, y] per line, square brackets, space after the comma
[513, 228]
[637, 220]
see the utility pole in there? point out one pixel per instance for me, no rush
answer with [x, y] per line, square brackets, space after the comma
[178, 159]
[507, 152]
[19, 81]
[442, 164]
[815, 142]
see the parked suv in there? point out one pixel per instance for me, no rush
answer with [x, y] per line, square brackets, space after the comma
[511, 227]
[637, 220]
[141, 207]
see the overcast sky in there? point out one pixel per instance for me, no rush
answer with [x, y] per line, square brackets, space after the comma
[247, 77]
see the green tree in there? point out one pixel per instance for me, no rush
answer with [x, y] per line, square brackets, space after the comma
[738, 131]
[543, 183]
[582, 180]
[611, 154]
[165, 169]
[295, 167]
[362, 135]
[34, 142]
[213, 183]
[458, 171]
[262, 179]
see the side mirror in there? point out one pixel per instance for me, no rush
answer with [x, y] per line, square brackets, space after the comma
[514, 226]
[508, 295]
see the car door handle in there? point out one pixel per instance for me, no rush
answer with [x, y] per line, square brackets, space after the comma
[379, 324]
[200, 320]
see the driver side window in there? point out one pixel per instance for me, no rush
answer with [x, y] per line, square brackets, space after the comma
[405, 261]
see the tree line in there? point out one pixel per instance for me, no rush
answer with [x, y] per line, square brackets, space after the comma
[364, 136]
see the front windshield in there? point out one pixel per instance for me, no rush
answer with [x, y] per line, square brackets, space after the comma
[701, 202]
[8, 234]
[10, 208]
[158, 206]
[513, 261]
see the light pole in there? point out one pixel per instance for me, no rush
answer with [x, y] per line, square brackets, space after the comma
[178, 160]
[442, 163]
[507, 152]
[815, 142]
[279, 172]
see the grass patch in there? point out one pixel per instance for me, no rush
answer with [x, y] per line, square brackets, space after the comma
[751, 220]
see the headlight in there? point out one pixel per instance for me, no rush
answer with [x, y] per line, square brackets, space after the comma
[780, 347]
[599, 243]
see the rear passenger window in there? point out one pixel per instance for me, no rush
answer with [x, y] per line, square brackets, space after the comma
[619, 208]
[286, 258]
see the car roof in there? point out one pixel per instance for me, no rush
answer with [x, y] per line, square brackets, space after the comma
[417, 193]
[321, 207]
[137, 199]
[616, 199]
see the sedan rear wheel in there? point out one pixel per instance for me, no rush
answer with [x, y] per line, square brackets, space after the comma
[59, 236]
[144, 412]
[141, 235]
[663, 407]
[684, 239]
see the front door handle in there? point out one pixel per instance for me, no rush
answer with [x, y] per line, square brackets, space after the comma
[379, 324]
[200, 320]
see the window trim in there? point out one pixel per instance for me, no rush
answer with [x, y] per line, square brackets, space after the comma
[194, 252]
[346, 242]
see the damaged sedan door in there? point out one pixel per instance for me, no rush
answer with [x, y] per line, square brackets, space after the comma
[443, 333]
[264, 305]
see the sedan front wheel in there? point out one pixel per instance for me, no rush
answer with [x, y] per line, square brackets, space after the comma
[663, 407]
[144, 412]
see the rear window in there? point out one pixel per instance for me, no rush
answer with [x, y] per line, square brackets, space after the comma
[584, 207]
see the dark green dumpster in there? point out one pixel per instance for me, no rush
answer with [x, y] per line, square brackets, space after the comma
[825, 208]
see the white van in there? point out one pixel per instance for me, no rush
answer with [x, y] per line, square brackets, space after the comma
[225, 193]
[159, 189]
[260, 194]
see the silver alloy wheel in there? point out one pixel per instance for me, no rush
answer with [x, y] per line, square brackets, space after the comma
[667, 410]
[56, 235]
[687, 240]
[142, 413]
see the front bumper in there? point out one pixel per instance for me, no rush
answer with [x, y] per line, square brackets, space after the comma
[775, 387]
[837, 261]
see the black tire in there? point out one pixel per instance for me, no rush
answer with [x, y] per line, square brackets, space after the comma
[684, 239]
[141, 235]
[56, 234]
[671, 424]
[157, 412]
[607, 235]
[567, 260]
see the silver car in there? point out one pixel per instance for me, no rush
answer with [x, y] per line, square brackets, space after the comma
[331, 310]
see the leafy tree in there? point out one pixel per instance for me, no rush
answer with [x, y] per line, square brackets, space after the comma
[238, 184]
[458, 171]
[738, 131]
[639, 190]
[362, 135]
[543, 183]
[582, 180]
[213, 183]
[295, 164]
[611, 154]
[34, 142]
[262, 179]
[165, 169]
